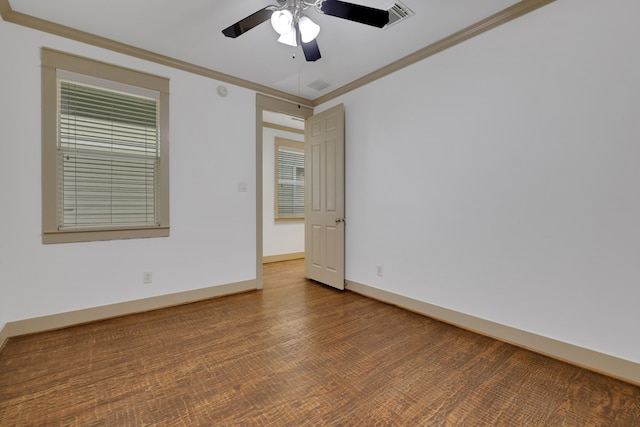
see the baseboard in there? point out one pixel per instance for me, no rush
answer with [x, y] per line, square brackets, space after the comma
[282, 257]
[71, 318]
[612, 366]
[4, 336]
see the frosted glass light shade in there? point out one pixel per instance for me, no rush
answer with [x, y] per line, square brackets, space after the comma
[289, 38]
[309, 30]
[282, 21]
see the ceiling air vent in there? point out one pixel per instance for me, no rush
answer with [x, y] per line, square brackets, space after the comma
[398, 12]
[319, 85]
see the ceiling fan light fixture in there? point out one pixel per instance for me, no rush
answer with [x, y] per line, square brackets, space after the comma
[289, 38]
[282, 21]
[288, 20]
[309, 30]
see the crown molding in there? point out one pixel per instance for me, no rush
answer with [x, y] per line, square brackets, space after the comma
[5, 8]
[508, 14]
[18, 18]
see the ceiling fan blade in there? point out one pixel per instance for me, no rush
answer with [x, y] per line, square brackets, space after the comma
[355, 12]
[311, 50]
[244, 25]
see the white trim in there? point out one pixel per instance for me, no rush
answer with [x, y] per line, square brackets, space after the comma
[585, 358]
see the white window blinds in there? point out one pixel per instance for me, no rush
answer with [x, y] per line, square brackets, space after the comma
[108, 157]
[290, 183]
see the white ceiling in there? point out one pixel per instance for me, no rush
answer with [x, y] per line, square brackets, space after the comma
[190, 30]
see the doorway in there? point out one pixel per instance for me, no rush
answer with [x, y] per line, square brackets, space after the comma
[283, 186]
[268, 104]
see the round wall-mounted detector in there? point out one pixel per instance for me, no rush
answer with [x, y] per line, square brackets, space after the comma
[222, 91]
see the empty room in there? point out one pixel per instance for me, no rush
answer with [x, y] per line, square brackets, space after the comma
[445, 233]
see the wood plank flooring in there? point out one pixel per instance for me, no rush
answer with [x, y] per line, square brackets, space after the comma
[295, 354]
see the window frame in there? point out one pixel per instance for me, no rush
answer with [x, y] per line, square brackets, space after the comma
[52, 61]
[288, 143]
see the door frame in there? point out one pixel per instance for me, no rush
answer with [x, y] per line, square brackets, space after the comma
[267, 103]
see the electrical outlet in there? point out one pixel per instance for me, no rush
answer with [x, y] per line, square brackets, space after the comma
[380, 270]
[147, 277]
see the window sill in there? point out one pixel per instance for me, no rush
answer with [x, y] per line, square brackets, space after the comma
[100, 235]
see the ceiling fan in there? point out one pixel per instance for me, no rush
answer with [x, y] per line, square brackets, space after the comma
[289, 20]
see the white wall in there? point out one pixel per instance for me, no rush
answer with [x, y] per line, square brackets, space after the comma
[212, 224]
[279, 238]
[519, 203]
[520, 199]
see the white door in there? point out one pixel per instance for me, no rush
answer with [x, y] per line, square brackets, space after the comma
[324, 197]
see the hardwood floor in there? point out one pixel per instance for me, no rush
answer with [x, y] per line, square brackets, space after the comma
[295, 354]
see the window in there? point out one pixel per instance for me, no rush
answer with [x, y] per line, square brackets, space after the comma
[105, 151]
[289, 193]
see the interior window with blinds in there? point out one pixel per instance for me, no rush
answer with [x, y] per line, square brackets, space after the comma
[108, 155]
[290, 179]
